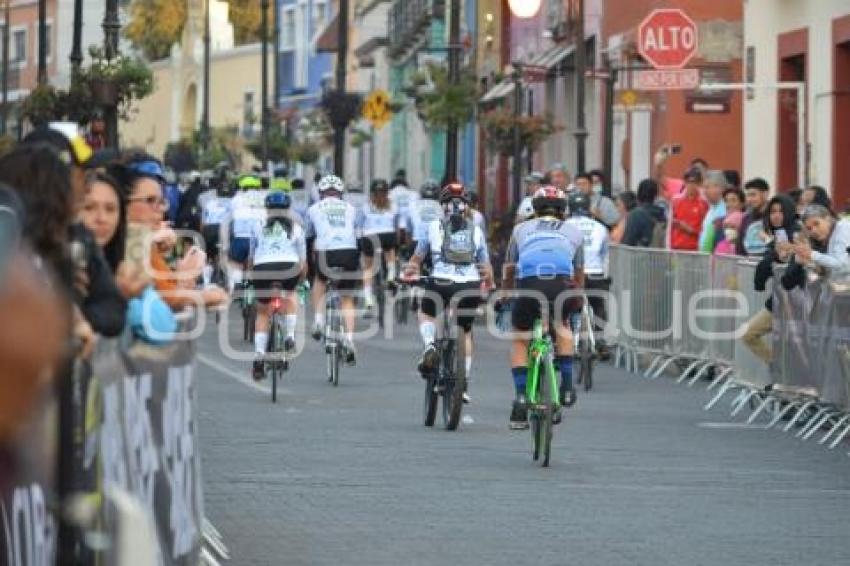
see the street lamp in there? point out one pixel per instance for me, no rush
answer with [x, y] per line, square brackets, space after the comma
[524, 9]
[516, 75]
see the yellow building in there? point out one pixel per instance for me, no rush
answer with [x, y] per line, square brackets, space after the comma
[174, 110]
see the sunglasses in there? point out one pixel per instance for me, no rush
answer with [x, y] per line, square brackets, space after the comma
[152, 201]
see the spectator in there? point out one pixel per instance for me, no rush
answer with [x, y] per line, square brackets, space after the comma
[142, 175]
[687, 214]
[626, 202]
[559, 177]
[600, 184]
[816, 195]
[831, 235]
[752, 240]
[731, 225]
[734, 200]
[525, 210]
[733, 178]
[646, 223]
[189, 213]
[602, 208]
[780, 226]
[796, 195]
[715, 184]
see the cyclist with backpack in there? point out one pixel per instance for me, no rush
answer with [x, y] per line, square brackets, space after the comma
[280, 262]
[545, 264]
[458, 251]
[646, 224]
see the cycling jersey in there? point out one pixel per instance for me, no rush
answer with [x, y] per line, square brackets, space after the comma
[333, 223]
[215, 210]
[403, 200]
[595, 244]
[546, 247]
[372, 221]
[248, 213]
[479, 220]
[421, 215]
[457, 273]
[275, 245]
[300, 202]
[356, 199]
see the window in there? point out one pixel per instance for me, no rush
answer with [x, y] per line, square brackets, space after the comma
[287, 30]
[249, 118]
[320, 16]
[19, 46]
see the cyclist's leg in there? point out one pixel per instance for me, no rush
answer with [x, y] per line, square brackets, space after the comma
[261, 327]
[431, 306]
[318, 294]
[567, 305]
[389, 244]
[526, 310]
[290, 276]
[367, 249]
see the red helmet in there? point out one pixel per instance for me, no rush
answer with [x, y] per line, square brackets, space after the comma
[453, 191]
[549, 197]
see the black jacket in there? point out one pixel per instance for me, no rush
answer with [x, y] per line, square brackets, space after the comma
[104, 307]
[640, 224]
[794, 275]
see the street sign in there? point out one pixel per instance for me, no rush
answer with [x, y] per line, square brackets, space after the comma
[629, 98]
[668, 38]
[674, 79]
[376, 108]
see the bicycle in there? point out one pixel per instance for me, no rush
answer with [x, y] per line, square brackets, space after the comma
[333, 329]
[279, 364]
[448, 380]
[541, 392]
[248, 301]
[585, 345]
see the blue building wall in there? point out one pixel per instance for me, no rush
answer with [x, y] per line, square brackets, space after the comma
[318, 64]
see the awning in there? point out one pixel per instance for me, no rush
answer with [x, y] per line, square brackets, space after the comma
[553, 57]
[499, 91]
[328, 40]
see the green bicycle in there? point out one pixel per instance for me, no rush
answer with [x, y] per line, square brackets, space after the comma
[541, 391]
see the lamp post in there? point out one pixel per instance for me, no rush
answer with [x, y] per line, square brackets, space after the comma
[264, 112]
[581, 64]
[42, 42]
[205, 112]
[341, 62]
[76, 56]
[454, 78]
[111, 28]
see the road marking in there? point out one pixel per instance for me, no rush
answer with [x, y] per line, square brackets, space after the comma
[224, 370]
[731, 426]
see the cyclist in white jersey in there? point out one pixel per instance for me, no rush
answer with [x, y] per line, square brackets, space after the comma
[377, 222]
[458, 250]
[596, 247]
[300, 199]
[403, 199]
[215, 212]
[426, 210]
[280, 262]
[355, 196]
[248, 213]
[333, 224]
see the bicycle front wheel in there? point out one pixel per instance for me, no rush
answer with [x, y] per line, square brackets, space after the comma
[455, 384]
[547, 413]
[432, 399]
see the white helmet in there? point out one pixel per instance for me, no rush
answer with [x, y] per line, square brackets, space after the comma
[526, 209]
[331, 183]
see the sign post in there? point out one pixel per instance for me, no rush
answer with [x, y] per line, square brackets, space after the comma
[668, 39]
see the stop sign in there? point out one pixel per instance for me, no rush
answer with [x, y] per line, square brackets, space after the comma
[667, 38]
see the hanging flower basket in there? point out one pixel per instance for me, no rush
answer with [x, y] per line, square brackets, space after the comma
[104, 91]
[498, 125]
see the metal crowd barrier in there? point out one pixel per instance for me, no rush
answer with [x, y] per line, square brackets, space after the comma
[655, 295]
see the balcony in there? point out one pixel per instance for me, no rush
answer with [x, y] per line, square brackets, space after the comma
[409, 21]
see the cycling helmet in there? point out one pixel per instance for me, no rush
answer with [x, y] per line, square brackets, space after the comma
[379, 185]
[454, 191]
[331, 183]
[278, 200]
[247, 182]
[281, 184]
[579, 204]
[549, 198]
[526, 209]
[430, 189]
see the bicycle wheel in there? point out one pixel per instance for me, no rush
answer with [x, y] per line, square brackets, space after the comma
[382, 304]
[402, 307]
[586, 362]
[249, 318]
[336, 350]
[548, 391]
[429, 407]
[271, 349]
[455, 386]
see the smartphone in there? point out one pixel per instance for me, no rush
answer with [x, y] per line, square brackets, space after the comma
[781, 235]
[675, 149]
[138, 246]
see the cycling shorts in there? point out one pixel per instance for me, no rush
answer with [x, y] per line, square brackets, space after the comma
[347, 274]
[558, 291]
[240, 249]
[464, 297]
[387, 242]
[266, 275]
[211, 234]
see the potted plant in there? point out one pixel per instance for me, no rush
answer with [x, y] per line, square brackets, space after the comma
[439, 102]
[119, 81]
[499, 124]
[42, 105]
[306, 152]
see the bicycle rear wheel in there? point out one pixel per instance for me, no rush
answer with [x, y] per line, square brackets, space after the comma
[455, 385]
[586, 363]
[547, 413]
[432, 399]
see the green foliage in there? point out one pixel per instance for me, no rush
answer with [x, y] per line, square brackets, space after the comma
[156, 25]
[439, 102]
[498, 125]
[279, 148]
[306, 152]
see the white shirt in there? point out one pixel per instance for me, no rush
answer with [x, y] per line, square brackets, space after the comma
[249, 213]
[356, 199]
[403, 200]
[456, 273]
[275, 246]
[373, 221]
[836, 259]
[596, 241]
[215, 210]
[300, 202]
[479, 220]
[333, 222]
[421, 215]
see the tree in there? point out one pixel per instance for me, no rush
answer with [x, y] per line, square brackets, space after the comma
[246, 20]
[156, 25]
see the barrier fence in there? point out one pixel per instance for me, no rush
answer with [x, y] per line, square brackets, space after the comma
[688, 311]
[135, 473]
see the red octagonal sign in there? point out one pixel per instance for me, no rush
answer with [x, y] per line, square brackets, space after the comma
[668, 38]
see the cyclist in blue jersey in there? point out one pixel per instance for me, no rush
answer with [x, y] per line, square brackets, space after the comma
[544, 263]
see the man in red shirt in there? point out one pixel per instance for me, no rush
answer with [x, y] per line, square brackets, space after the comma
[689, 211]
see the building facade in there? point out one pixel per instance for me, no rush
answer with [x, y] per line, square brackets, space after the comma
[807, 43]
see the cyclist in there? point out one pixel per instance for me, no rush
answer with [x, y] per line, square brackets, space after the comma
[424, 211]
[247, 216]
[525, 210]
[477, 217]
[403, 199]
[280, 260]
[377, 222]
[458, 251]
[596, 241]
[215, 211]
[332, 222]
[355, 197]
[545, 259]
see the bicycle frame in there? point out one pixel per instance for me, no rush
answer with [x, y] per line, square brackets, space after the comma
[540, 354]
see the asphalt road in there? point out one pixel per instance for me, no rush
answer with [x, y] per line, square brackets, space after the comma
[640, 474]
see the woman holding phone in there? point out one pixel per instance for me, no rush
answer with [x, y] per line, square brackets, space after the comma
[780, 228]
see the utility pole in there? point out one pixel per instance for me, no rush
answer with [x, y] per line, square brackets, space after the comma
[42, 42]
[517, 146]
[276, 56]
[454, 78]
[205, 112]
[4, 124]
[608, 157]
[581, 64]
[341, 62]
[264, 112]
[111, 27]
[76, 56]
